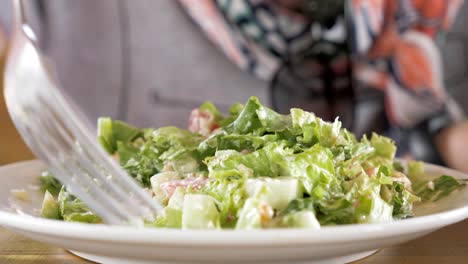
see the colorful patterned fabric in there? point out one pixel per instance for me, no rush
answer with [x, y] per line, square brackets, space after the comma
[332, 47]
[400, 35]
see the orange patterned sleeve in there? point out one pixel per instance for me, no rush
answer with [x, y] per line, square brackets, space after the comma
[403, 44]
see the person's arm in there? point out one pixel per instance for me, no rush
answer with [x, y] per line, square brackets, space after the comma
[452, 143]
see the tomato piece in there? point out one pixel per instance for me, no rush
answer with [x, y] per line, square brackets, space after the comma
[190, 182]
[202, 122]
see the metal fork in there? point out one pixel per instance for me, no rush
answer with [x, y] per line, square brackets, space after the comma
[59, 135]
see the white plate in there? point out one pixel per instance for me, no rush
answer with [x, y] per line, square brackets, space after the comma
[113, 244]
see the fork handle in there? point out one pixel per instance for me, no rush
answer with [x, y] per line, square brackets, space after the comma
[19, 14]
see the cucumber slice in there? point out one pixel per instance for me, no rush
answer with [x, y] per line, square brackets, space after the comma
[160, 178]
[250, 215]
[304, 219]
[177, 199]
[279, 192]
[173, 217]
[200, 212]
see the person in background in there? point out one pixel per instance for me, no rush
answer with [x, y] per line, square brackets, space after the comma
[376, 64]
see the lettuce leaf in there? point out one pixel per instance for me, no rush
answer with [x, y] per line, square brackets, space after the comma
[439, 188]
[255, 164]
[111, 132]
[73, 209]
[247, 121]
[314, 168]
[48, 183]
[229, 192]
[50, 207]
[384, 147]
[402, 201]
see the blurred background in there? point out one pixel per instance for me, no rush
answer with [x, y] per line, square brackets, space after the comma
[150, 62]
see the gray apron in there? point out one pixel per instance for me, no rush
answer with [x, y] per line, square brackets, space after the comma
[142, 61]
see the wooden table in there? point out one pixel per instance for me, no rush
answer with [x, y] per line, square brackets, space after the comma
[448, 245]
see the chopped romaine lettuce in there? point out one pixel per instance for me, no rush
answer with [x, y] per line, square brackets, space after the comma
[230, 195]
[256, 168]
[49, 183]
[298, 205]
[74, 210]
[384, 147]
[416, 172]
[50, 207]
[427, 187]
[106, 135]
[111, 132]
[402, 200]
[439, 188]
[247, 121]
[314, 169]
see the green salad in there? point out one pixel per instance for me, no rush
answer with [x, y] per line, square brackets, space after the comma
[256, 168]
